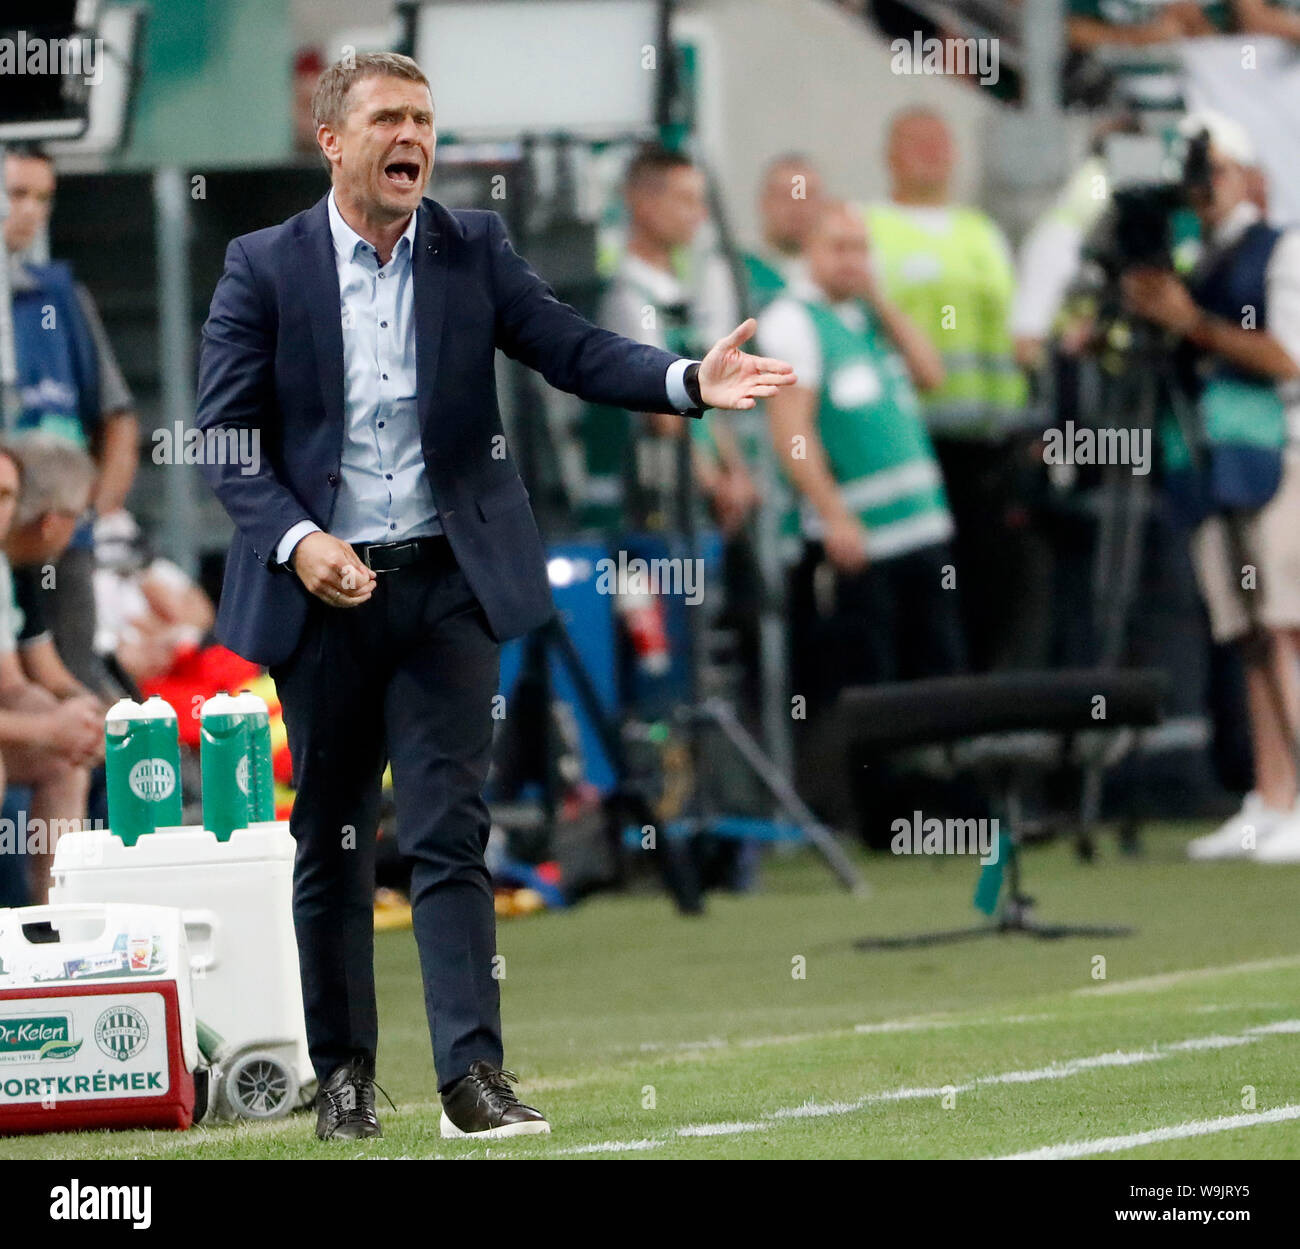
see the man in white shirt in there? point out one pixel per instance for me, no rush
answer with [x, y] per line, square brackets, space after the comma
[648, 301]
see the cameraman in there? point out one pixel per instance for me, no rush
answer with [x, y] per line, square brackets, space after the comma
[1238, 323]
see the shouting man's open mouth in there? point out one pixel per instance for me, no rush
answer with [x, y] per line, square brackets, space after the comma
[403, 174]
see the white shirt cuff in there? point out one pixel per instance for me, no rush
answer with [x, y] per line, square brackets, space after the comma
[291, 539]
[677, 395]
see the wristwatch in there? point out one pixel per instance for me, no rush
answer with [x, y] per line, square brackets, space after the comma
[691, 381]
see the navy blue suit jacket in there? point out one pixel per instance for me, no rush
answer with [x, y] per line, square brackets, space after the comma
[271, 360]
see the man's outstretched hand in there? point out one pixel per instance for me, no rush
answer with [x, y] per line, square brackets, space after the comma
[729, 378]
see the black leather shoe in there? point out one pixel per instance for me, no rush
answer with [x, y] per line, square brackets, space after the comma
[483, 1104]
[345, 1104]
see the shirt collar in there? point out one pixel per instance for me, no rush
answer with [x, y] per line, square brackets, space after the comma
[347, 240]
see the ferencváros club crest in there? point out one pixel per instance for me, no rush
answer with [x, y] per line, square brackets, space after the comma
[121, 1032]
[152, 780]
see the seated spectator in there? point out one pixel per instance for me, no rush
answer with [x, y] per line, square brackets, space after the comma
[51, 735]
[57, 479]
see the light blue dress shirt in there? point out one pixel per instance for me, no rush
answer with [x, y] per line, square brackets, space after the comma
[384, 493]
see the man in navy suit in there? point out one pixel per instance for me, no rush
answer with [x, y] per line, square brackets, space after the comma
[384, 547]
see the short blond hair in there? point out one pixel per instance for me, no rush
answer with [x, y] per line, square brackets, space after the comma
[329, 102]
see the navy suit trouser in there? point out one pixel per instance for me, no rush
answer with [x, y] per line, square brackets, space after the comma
[408, 678]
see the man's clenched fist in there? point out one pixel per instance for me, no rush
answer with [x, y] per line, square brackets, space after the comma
[332, 571]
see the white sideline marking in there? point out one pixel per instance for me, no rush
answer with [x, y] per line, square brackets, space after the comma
[1213, 1042]
[1146, 984]
[713, 1043]
[1180, 1131]
[613, 1147]
[809, 1109]
[906, 1025]
[1054, 1071]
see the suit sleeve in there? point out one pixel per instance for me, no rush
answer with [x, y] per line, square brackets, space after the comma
[236, 392]
[535, 328]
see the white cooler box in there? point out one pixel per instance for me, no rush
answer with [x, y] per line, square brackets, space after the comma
[235, 899]
[97, 1029]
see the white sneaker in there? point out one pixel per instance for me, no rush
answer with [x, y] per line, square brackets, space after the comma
[1282, 845]
[1238, 836]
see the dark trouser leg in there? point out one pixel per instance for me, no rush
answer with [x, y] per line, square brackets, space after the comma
[930, 639]
[331, 691]
[805, 632]
[971, 479]
[863, 646]
[1003, 563]
[438, 716]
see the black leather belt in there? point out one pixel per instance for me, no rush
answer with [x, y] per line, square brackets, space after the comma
[388, 556]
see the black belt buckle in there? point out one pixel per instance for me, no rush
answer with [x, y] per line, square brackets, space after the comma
[402, 553]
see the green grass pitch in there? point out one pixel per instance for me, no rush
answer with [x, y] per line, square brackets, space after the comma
[642, 1034]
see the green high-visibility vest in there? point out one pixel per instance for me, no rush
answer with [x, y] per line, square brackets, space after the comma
[875, 440]
[957, 286]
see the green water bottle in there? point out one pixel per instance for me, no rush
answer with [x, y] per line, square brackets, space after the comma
[142, 760]
[223, 756]
[261, 772]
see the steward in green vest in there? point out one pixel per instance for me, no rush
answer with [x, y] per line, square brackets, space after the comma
[949, 269]
[872, 596]
[874, 438]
